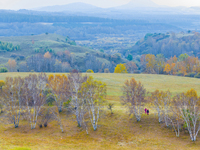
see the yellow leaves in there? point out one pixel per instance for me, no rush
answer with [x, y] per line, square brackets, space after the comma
[51, 76]
[90, 71]
[2, 83]
[120, 68]
[159, 97]
[58, 83]
[94, 89]
[167, 68]
[151, 61]
[191, 93]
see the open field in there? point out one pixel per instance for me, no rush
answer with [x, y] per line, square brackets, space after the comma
[117, 131]
[150, 81]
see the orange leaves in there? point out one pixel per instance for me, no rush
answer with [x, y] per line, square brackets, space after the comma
[174, 59]
[47, 55]
[12, 64]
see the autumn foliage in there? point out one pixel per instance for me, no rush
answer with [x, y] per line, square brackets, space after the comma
[120, 68]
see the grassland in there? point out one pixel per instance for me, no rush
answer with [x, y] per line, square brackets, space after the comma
[117, 131]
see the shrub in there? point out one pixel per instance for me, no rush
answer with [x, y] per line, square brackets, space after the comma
[21, 57]
[106, 70]
[137, 72]
[13, 55]
[198, 75]
[192, 74]
[2, 83]
[66, 104]
[90, 71]
[179, 74]
[73, 43]
[130, 57]
[101, 50]
[3, 70]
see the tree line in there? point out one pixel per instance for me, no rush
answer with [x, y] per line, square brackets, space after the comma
[40, 99]
[63, 61]
[183, 65]
[5, 46]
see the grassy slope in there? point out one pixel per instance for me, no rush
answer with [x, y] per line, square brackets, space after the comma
[118, 131]
[41, 42]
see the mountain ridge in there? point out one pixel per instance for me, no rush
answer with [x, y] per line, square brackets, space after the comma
[78, 6]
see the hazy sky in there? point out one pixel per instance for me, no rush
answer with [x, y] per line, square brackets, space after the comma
[20, 4]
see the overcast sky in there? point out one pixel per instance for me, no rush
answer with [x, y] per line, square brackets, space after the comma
[27, 4]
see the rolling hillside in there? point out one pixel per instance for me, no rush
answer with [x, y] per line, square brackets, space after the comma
[32, 45]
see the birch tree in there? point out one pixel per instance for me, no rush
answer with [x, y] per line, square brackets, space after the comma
[166, 103]
[34, 97]
[59, 85]
[12, 99]
[133, 97]
[156, 98]
[95, 92]
[188, 106]
[77, 103]
[175, 117]
[57, 117]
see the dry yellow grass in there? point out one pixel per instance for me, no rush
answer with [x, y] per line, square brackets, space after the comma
[117, 131]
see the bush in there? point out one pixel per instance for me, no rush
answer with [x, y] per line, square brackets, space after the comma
[90, 71]
[198, 75]
[73, 43]
[13, 55]
[192, 74]
[179, 74]
[130, 57]
[66, 104]
[3, 70]
[137, 72]
[106, 70]
[101, 50]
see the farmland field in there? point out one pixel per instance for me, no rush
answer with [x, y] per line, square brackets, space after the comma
[117, 131]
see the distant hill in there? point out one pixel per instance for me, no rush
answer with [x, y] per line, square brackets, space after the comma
[138, 3]
[168, 44]
[55, 44]
[73, 7]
